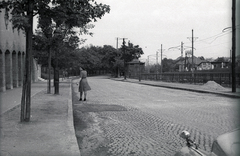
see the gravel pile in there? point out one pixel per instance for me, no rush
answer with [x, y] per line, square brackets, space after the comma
[212, 85]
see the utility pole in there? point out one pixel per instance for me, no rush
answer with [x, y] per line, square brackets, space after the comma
[181, 49]
[124, 59]
[185, 62]
[233, 46]
[192, 51]
[161, 59]
[117, 43]
[148, 65]
[157, 62]
[182, 68]
[118, 73]
[192, 39]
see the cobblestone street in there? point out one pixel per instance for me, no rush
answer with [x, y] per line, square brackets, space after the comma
[121, 118]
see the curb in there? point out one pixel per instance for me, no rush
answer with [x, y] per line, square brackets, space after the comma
[74, 149]
[180, 88]
[193, 90]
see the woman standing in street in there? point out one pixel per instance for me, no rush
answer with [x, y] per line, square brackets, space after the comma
[83, 84]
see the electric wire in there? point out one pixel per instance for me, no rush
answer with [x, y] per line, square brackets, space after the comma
[212, 38]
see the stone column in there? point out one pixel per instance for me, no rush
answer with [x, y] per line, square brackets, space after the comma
[2, 72]
[20, 66]
[23, 65]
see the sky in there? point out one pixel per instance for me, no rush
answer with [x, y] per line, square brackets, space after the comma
[152, 23]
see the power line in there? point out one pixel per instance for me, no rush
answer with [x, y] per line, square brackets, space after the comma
[204, 40]
[214, 45]
[214, 38]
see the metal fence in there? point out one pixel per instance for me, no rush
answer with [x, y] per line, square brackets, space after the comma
[222, 78]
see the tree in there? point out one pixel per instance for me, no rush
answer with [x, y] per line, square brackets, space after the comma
[71, 13]
[167, 65]
[131, 52]
[95, 58]
[68, 15]
[110, 56]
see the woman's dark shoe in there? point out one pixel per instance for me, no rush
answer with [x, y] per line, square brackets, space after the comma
[85, 99]
[80, 99]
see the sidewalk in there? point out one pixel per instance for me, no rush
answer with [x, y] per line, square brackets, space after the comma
[50, 131]
[11, 99]
[189, 87]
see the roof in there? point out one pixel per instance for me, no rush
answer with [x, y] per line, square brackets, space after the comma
[196, 60]
[204, 61]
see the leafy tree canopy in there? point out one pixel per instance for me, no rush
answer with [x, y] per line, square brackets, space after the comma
[72, 13]
[167, 65]
[131, 52]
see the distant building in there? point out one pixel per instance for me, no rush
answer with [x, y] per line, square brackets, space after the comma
[12, 55]
[221, 62]
[135, 68]
[220, 65]
[205, 65]
[185, 63]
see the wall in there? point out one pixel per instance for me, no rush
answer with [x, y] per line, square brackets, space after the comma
[12, 55]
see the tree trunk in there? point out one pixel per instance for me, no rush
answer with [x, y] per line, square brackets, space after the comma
[49, 70]
[26, 89]
[54, 75]
[56, 79]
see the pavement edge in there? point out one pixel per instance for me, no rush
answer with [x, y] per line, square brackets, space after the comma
[74, 149]
[181, 88]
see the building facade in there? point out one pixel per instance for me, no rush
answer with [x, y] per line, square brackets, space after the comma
[12, 55]
[205, 65]
[135, 68]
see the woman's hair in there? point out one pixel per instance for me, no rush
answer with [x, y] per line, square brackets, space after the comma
[81, 68]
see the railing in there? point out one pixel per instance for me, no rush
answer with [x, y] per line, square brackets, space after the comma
[222, 78]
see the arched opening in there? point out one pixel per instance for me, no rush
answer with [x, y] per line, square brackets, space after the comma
[20, 69]
[8, 70]
[15, 69]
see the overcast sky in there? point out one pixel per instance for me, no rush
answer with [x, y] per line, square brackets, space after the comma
[150, 23]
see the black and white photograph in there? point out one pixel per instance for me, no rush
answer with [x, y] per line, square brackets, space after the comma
[119, 78]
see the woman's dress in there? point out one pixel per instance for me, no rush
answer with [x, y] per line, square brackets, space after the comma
[83, 84]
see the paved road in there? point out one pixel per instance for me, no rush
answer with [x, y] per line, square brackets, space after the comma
[121, 118]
